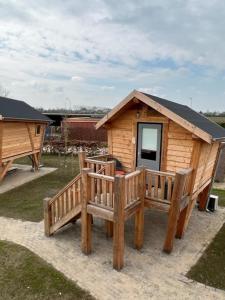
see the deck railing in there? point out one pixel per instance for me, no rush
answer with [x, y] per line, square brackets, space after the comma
[63, 206]
[101, 167]
[115, 198]
[132, 191]
[101, 190]
[159, 185]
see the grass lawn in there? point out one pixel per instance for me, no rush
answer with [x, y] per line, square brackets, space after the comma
[210, 269]
[24, 275]
[26, 202]
[221, 194]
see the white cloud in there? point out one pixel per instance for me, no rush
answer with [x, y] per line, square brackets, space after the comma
[76, 78]
[106, 87]
[112, 46]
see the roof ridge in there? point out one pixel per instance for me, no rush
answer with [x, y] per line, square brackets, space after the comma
[164, 99]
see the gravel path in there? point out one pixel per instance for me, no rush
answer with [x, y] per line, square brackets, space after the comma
[148, 273]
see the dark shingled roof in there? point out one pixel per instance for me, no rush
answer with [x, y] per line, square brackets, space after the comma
[19, 110]
[216, 131]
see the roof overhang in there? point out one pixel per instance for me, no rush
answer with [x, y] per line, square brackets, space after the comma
[25, 120]
[161, 109]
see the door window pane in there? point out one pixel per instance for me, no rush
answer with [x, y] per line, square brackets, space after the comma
[149, 139]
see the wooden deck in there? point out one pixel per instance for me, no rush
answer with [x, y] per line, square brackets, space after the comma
[97, 191]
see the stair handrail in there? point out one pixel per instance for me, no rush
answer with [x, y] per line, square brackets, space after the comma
[51, 200]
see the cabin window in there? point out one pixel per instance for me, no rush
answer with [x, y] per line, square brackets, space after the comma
[38, 129]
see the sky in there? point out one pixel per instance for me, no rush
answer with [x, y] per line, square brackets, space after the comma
[67, 53]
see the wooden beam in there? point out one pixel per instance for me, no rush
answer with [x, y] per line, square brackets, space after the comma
[109, 229]
[18, 156]
[185, 216]
[42, 142]
[5, 168]
[139, 215]
[174, 211]
[30, 137]
[118, 225]
[205, 193]
[82, 156]
[100, 212]
[203, 198]
[47, 216]
[36, 161]
[85, 217]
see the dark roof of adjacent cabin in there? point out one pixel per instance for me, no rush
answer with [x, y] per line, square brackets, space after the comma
[20, 110]
[191, 116]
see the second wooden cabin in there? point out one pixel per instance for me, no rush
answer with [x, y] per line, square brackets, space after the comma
[22, 130]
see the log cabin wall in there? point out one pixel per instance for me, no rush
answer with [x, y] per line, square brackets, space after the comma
[179, 149]
[206, 163]
[20, 137]
[177, 143]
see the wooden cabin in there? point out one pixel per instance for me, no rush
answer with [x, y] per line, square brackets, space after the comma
[145, 130]
[22, 130]
[162, 155]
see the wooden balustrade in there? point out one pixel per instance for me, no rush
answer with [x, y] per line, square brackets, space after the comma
[159, 185]
[132, 187]
[63, 206]
[187, 184]
[97, 191]
[101, 190]
[103, 157]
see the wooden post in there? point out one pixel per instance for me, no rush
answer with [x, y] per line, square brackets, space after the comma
[203, 198]
[139, 216]
[36, 162]
[109, 228]
[110, 171]
[174, 211]
[5, 168]
[118, 225]
[47, 216]
[82, 157]
[204, 195]
[182, 224]
[85, 217]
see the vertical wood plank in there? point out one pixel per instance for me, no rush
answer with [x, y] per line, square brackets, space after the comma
[174, 211]
[162, 183]
[118, 225]
[47, 216]
[139, 215]
[169, 188]
[82, 157]
[85, 217]
[149, 184]
[156, 185]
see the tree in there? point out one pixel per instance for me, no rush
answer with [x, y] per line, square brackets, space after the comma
[3, 91]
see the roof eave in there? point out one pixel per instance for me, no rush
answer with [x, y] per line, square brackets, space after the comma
[221, 139]
[26, 120]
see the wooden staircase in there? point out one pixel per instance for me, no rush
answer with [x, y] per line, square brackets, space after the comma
[64, 207]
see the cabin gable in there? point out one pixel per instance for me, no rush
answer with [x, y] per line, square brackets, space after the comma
[176, 144]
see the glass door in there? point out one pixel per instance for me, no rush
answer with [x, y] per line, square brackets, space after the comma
[149, 145]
